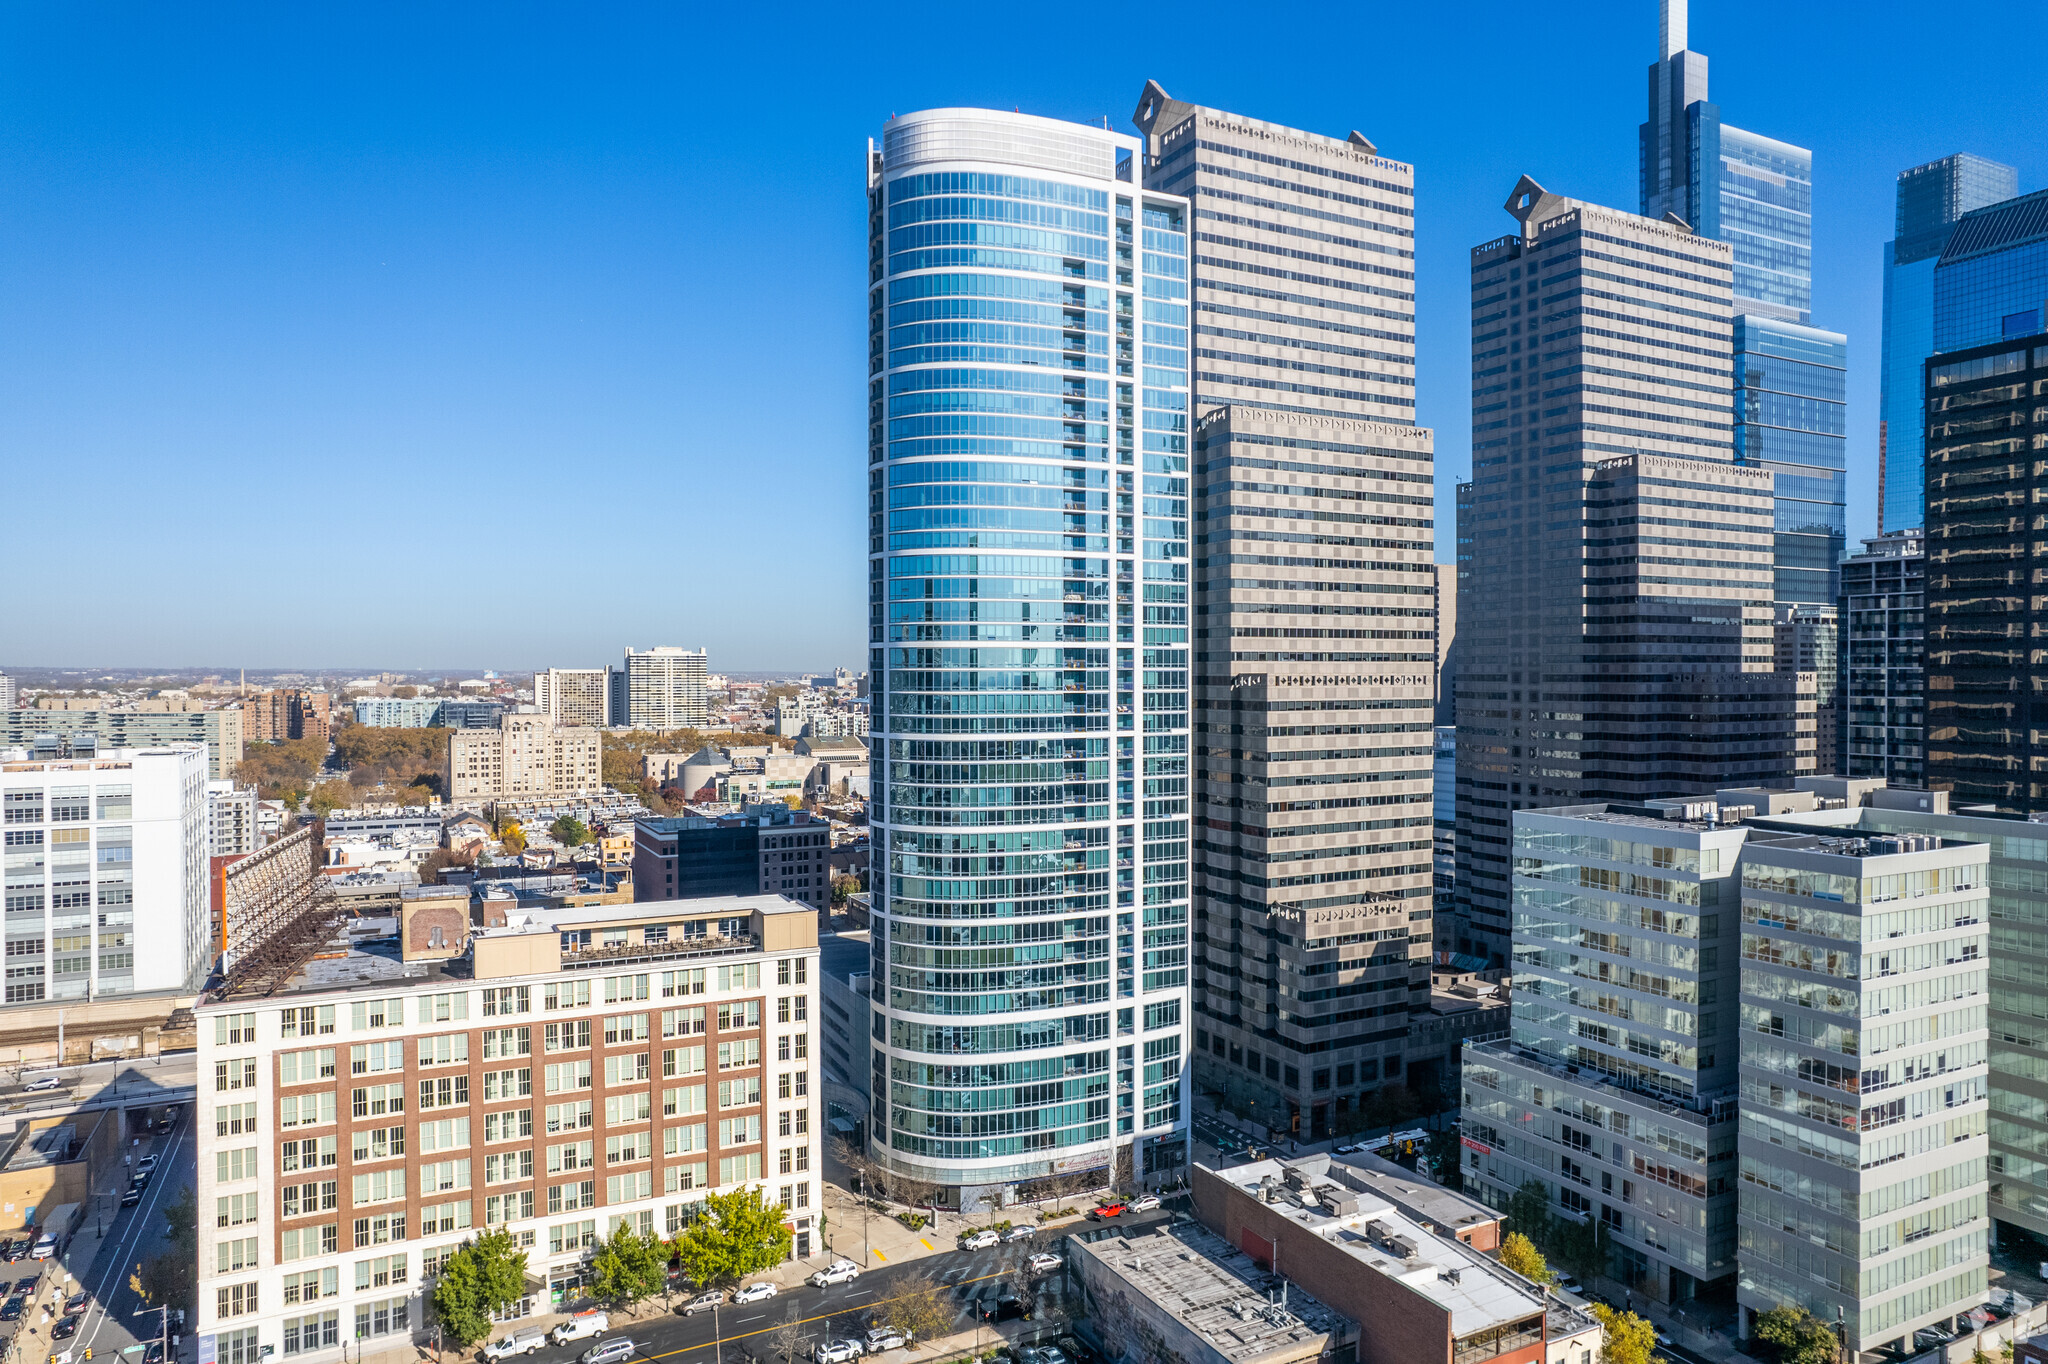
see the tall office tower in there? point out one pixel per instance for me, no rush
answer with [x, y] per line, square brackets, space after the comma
[1615, 589]
[1756, 194]
[1446, 644]
[1930, 200]
[1882, 696]
[1808, 640]
[1987, 680]
[1314, 672]
[1616, 1089]
[574, 697]
[10, 693]
[1863, 1112]
[1992, 278]
[1028, 486]
[665, 688]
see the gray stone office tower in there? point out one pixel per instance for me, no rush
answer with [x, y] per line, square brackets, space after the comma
[1615, 563]
[1314, 648]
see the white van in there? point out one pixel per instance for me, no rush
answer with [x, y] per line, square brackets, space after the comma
[582, 1326]
[46, 1246]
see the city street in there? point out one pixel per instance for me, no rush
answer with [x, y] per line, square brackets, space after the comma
[125, 1080]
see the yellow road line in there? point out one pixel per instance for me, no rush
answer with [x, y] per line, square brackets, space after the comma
[822, 1316]
[879, 1256]
[926, 1244]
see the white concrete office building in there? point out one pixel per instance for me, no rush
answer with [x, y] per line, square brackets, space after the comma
[664, 688]
[575, 697]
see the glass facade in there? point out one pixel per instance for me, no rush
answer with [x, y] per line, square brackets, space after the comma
[1762, 206]
[1791, 421]
[1028, 409]
[1930, 200]
[1992, 279]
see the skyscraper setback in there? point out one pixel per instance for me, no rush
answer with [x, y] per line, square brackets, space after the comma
[1028, 456]
[1314, 648]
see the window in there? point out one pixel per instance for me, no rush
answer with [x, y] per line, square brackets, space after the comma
[232, 1257]
[508, 999]
[739, 1131]
[739, 1169]
[376, 1057]
[565, 1076]
[792, 971]
[374, 1101]
[444, 1176]
[234, 1074]
[746, 1014]
[681, 1100]
[625, 1028]
[511, 1207]
[379, 1231]
[628, 1187]
[677, 984]
[236, 1347]
[319, 1331]
[310, 1022]
[795, 1124]
[626, 1070]
[619, 989]
[571, 1155]
[683, 1061]
[747, 977]
[450, 1091]
[567, 995]
[737, 1055]
[628, 1108]
[449, 1049]
[234, 1300]
[303, 1243]
[233, 1030]
[311, 1286]
[505, 1043]
[739, 1093]
[236, 1209]
[569, 1197]
[508, 1084]
[367, 1014]
[308, 1153]
[685, 1140]
[380, 1186]
[303, 1200]
[449, 1008]
[680, 1178]
[434, 1259]
[792, 1009]
[449, 1134]
[570, 1236]
[303, 1067]
[382, 1272]
[571, 1036]
[627, 1148]
[509, 1166]
[510, 1125]
[569, 1117]
[232, 1120]
[232, 1165]
[683, 1022]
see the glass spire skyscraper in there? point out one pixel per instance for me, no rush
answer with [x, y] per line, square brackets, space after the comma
[1756, 194]
[1028, 580]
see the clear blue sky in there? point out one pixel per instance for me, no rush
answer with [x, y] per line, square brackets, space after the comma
[500, 335]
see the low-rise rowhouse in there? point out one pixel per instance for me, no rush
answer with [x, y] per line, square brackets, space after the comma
[362, 1116]
[1418, 1293]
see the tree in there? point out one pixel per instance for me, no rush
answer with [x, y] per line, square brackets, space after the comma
[1801, 1337]
[167, 1280]
[330, 796]
[1626, 1337]
[1444, 1149]
[787, 1340]
[844, 886]
[737, 1234]
[628, 1267]
[486, 1275]
[1580, 1244]
[570, 831]
[181, 1223]
[1529, 1210]
[861, 1172]
[512, 838]
[920, 1308]
[281, 771]
[1519, 1253]
[917, 1193]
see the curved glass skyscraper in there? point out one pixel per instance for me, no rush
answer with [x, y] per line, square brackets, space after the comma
[1028, 580]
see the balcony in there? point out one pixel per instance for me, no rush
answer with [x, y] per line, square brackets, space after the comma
[692, 949]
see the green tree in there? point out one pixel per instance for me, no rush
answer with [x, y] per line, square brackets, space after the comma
[167, 1280]
[1627, 1338]
[1444, 1151]
[920, 1308]
[843, 886]
[181, 1223]
[1519, 1253]
[1801, 1337]
[628, 1268]
[570, 831]
[737, 1234]
[1579, 1245]
[1529, 1211]
[487, 1274]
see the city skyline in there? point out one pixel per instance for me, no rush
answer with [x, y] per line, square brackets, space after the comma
[513, 223]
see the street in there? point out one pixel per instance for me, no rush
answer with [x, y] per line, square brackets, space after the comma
[124, 1080]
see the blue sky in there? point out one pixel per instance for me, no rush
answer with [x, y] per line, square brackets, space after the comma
[505, 335]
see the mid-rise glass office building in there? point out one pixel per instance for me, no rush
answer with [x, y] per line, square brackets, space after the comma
[1028, 562]
[1992, 279]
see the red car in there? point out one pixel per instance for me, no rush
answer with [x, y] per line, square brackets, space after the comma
[1109, 1210]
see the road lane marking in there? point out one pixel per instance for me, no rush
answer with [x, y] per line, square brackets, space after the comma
[132, 1239]
[926, 1244]
[879, 1256]
[802, 1321]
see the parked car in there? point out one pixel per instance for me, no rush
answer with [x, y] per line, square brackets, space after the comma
[1108, 1210]
[77, 1303]
[886, 1338]
[704, 1302]
[48, 1082]
[11, 1309]
[980, 1240]
[64, 1328]
[1144, 1203]
[610, 1351]
[46, 1246]
[128, 1200]
[1020, 1232]
[755, 1292]
[1043, 1263]
[521, 1342]
[140, 1181]
[1074, 1350]
[1345, 1149]
[1006, 1304]
[837, 1351]
[26, 1285]
[146, 1164]
[582, 1326]
[1042, 1354]
[838, 1272]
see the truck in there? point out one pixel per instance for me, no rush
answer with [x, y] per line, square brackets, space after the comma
[56, 1231]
